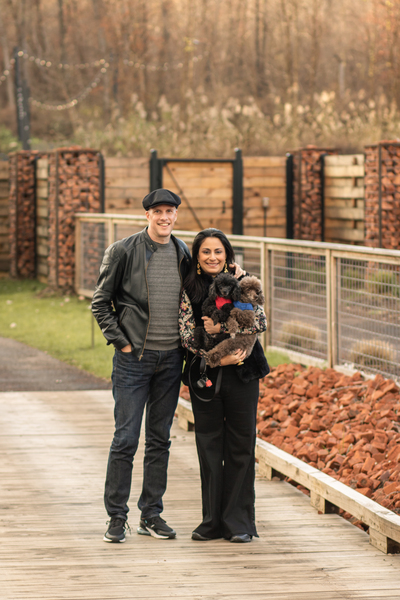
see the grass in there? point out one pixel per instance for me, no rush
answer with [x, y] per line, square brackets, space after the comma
[58, 325]
[61, 326]
[275, 358]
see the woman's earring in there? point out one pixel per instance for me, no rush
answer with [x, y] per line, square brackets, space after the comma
[226, 268]
[198, 268]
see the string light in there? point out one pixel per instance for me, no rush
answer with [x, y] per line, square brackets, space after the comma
[6, 72]
[74, 101]
[164, 67]
[48, 64]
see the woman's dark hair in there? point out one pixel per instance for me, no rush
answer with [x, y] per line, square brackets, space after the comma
[196, 285]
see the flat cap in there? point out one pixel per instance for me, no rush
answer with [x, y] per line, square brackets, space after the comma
[160, 197]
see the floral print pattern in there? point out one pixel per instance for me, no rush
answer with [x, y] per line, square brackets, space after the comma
[187, 323]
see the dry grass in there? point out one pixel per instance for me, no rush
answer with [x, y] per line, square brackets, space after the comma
[300, 336]
[372, 353]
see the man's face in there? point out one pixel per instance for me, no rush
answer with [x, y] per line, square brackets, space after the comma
[161, 220]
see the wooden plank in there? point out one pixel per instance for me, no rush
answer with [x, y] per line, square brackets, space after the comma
[198, 182]
[250, 172]
[369, 512]
[342, 233]
[344, 171]
[264, 161]
[127, 182]
[332, 212]
[344, 181]
[344, 192]
[42, 173]
[185, 415]
[43, 163]
[344, 159]
[126, 161]
[274, 182]
[132, 172]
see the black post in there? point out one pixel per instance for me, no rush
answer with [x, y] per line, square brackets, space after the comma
[322, 157]
[380, 194]
[289, 196]
[156, 175]
[102, 182]
[237, 224]
[22, 104]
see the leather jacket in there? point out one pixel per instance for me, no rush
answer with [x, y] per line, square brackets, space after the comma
[120, 301]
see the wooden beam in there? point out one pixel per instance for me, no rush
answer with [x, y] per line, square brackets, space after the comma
[344, 171]
[348, 191]
[336, 212]
[380, 519]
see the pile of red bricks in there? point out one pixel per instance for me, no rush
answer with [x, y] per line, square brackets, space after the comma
[382, 216]
[345, 426]
[307, 193]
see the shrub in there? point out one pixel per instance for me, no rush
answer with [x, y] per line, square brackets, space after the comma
[372, 353]
[383, 282]
[302, 336]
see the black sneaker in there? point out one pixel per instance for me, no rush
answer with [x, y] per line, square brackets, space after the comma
[157, 527]
[116, 530]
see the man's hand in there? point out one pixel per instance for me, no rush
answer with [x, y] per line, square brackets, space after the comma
[210, 327]
[238, 270]
[233, 359]
[127, 348]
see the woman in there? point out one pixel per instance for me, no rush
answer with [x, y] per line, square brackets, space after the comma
[225, 424]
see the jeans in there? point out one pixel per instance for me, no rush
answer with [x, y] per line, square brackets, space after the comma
[153, 382]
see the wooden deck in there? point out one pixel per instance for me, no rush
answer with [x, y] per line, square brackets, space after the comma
[54, 450]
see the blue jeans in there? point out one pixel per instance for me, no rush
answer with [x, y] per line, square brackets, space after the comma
[153, 382]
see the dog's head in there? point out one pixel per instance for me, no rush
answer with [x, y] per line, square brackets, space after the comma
[225, 286]
[251, 290]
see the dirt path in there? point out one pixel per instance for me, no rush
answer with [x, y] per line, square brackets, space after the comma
[23, 368]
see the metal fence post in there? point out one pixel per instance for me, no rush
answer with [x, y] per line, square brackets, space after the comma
[155, 171]
[268, 292]
[289, 196]
[331, 308]
[237, 224]
[322, 160]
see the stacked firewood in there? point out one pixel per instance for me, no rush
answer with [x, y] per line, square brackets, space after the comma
[307, 193]
[22, 213]
[74, 186]
[382, 195]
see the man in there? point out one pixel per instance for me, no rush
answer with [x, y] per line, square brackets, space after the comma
[136, 303]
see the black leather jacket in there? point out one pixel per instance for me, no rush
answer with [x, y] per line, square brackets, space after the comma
[120, 301]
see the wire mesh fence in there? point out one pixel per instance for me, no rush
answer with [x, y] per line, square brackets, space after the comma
[332, 302]
[368, 315]
[298, 303]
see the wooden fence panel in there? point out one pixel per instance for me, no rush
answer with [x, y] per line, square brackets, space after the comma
[207, 194]
[4, 218]
[264, 177]
[344, 198]
[126, 184]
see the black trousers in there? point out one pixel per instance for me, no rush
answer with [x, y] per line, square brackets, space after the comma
[225, 431]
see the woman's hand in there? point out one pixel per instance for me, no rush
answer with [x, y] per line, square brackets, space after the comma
[210, 327]
[238, 270]
[233, 359]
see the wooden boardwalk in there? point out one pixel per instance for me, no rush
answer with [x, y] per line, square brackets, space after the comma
[53, 448]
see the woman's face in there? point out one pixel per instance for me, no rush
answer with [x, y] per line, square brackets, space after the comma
[211, 256]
